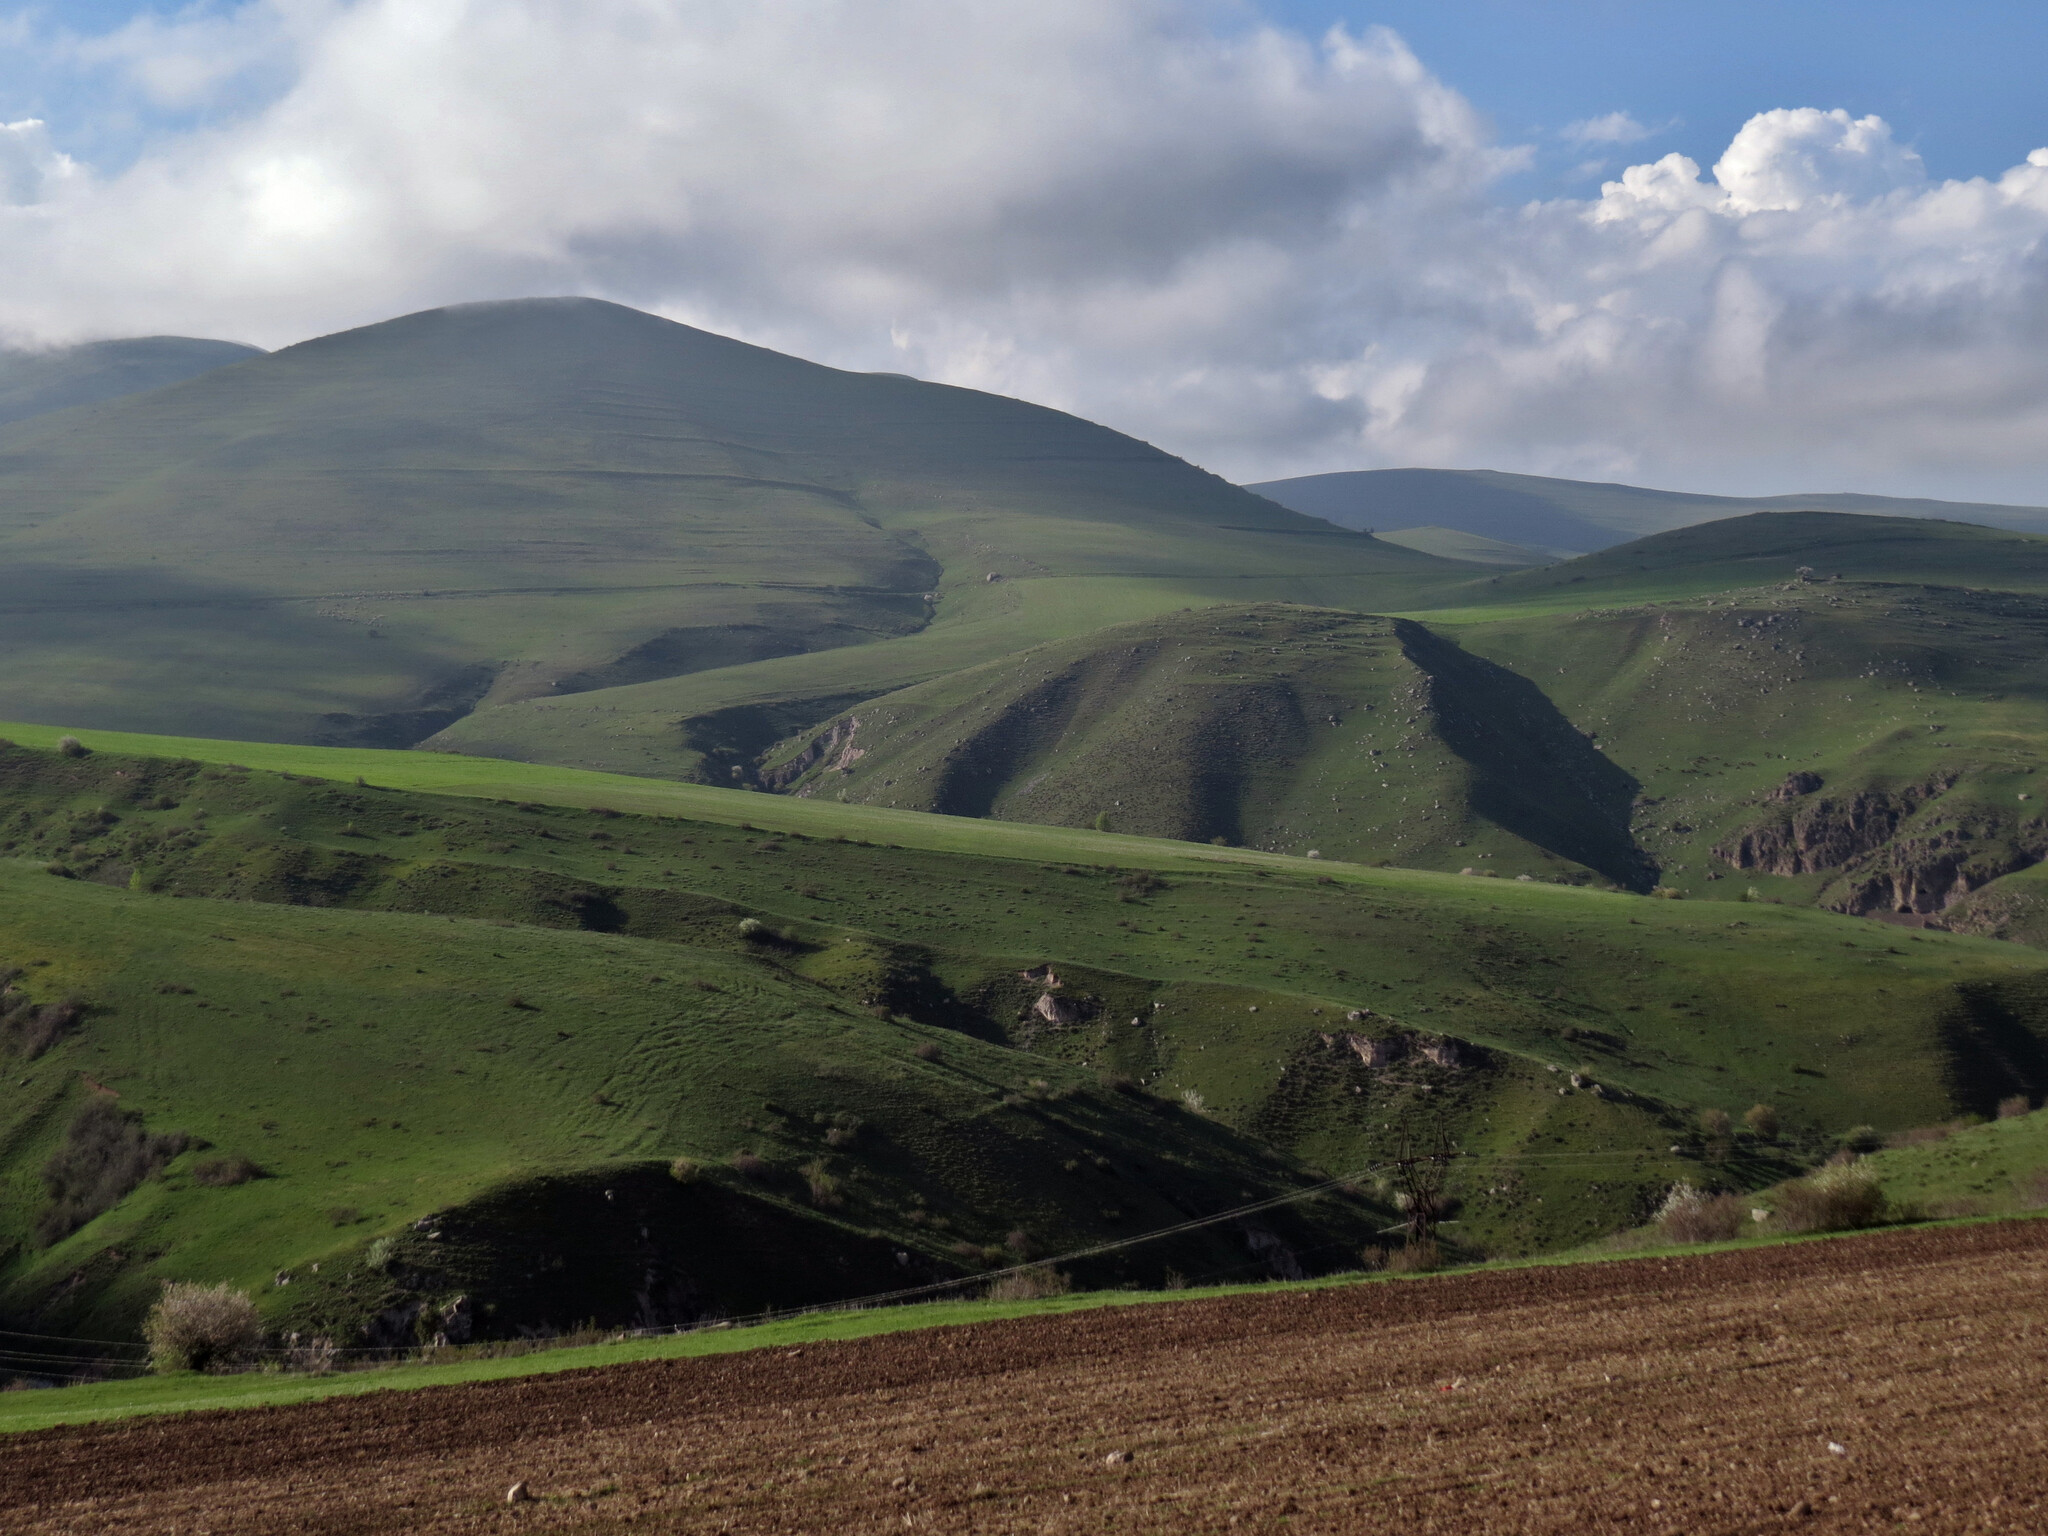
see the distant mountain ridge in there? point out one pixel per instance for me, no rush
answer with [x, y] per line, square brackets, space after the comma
[1575, 516]
[35, 383]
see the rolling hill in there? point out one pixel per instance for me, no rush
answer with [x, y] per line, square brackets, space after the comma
[930, 1041]
[1284, 728]
[1566, 517]
[495, 507]
[35, 383]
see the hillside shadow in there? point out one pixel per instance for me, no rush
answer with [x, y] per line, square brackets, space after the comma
[1534, 773]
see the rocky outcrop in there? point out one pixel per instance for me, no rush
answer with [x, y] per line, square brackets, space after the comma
[1798, 784]
[1928, 874]
[832, 747]
[1056, 1010]
[1828, 833]
[1374, 1053]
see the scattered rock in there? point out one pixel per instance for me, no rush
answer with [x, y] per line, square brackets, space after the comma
[519, 1493]
[1117, 1458]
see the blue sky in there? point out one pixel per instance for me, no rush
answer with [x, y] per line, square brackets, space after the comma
[1963, 81]
[1275, 252]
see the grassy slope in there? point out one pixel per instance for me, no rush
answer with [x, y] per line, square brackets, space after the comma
[1279, 727]
[35, 383]
[362, 536]
[1711, 695]
[1231, 982]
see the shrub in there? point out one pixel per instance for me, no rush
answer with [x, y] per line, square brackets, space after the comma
[1020, 1245]
[106, 1153]
[926, 1050]
[1689, 1215]
[748, 1166]
[1861, 1140]
[27, 1031]
[343, 1215]
[1372, 1258]
[71, 746]
[824, 1186]
[684, 1170]
[223, 1172]
[753, 929]
[311, 1357]
[1715, 1124]
[1762, 1120]
[1837, 1198]
[1416, 1258]
[1029, 1285]
[201, 1327]
[2015, 1106]
[1191, 1100]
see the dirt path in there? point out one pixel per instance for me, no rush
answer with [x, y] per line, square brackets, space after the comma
[1691, 1395]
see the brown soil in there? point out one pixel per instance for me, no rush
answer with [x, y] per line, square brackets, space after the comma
[1889, 1382]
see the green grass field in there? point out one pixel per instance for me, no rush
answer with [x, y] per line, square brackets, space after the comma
[367, 965]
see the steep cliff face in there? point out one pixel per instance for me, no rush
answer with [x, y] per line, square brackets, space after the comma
[1899, 851]
[1825, 831]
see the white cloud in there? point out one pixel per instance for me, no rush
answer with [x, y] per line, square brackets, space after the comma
[1273, 253]
[1613, 128]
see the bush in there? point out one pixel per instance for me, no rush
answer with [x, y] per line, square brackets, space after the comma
[343, 1215]
[27, 1031]
[1372, 1259]
[1762, 1121]
[2015, 1106]
[1715, 1124]
[1689, 1215]
[201, 1327]
[824, 1187]
[71, 746]
[1861, 1140]
[224, 1172]
[1838, 1198]
[1030, 1285]
[748, 1166]
[684, 1170]
[1416, 1258]
[926, 1050]
[753, 929]
[106, 1153]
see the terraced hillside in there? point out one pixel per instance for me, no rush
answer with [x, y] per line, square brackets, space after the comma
[1112, 1048]
[368, 536]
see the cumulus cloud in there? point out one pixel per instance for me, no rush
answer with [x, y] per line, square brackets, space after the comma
[1612, 128]
[1271, 252]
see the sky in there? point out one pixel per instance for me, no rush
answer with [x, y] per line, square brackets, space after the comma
[1743, 247]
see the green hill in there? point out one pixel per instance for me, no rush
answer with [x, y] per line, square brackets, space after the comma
[368, 967]
[368, 536]
[1281, 728]
[34, 383]
[1535, 510]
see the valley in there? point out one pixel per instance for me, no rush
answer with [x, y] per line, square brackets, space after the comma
[531, 816]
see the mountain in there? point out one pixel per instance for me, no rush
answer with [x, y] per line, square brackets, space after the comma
[34, 383]
[369, 535]
[1572, 516]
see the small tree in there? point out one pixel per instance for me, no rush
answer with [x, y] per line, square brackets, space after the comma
[1762, 1121]
[201, 1327]
[1715, 1124]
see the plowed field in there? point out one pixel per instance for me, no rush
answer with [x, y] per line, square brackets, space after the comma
[1888, 1382]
